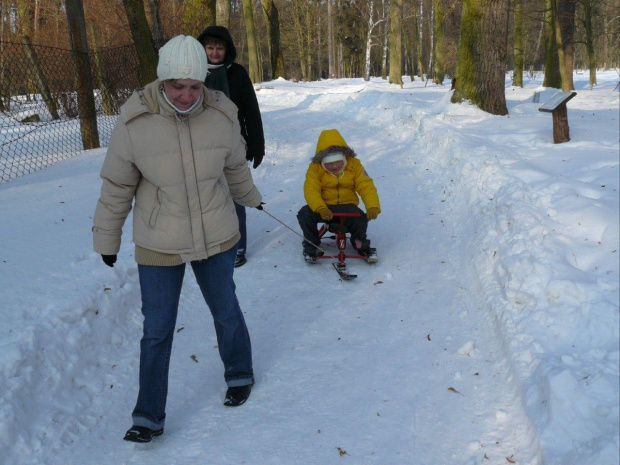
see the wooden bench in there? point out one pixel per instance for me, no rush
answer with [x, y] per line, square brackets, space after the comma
[556, 105]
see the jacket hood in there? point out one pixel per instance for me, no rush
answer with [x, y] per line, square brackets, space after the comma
[330, 141]
[221, 33]
[149, 99]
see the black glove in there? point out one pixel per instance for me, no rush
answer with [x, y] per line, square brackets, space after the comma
[257, 160]
[260, 206]
[109, 260]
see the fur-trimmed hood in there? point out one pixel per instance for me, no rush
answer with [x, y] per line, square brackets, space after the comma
[330, 141]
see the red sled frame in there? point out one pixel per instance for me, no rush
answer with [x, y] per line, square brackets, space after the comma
[340, 234]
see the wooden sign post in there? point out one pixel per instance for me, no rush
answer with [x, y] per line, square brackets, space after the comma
[556, 105]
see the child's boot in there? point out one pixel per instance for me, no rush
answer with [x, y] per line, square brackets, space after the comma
[364, 249]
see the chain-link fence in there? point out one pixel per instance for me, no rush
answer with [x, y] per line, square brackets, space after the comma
[40, 106]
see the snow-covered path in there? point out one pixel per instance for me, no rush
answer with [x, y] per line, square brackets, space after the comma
[408, 364]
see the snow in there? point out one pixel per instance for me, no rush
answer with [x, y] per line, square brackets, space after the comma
[487, 333]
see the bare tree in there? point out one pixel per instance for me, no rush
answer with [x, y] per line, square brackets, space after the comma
[157, 28]
[366, 11]
[26, 17]
[250, 31]
[386, 40]
[564, 12]
[222, 13]
[420, 22]
[481, 65]
[589, 10]
[105, 87]
[439, 44]
[331, 58]
[272, 19]
[517, 73]
[84, 79]
[396, 23]
[553, 78]
[143, 40]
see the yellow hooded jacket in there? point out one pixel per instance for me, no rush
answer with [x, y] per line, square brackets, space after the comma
[323, 188]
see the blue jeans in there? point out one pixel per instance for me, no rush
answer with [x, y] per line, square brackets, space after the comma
[161, 288]
[243, 242]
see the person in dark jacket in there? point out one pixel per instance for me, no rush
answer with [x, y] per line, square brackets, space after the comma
[233, 80]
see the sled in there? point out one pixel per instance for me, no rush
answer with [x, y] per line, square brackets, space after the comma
[339, 230]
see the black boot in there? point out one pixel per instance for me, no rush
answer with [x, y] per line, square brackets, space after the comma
[237, 395]
[364, 249]
[142, 434]
[311, 252]
[240, 260]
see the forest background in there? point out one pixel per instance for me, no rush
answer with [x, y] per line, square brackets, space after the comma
[81, 59]
[312, 39]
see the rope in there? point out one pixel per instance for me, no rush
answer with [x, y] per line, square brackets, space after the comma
[291, 229]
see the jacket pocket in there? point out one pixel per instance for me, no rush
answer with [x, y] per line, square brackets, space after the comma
[156, 209]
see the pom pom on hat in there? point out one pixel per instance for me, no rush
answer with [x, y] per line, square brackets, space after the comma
[182, 57]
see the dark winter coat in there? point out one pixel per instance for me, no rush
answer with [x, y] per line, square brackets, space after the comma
[241, 92]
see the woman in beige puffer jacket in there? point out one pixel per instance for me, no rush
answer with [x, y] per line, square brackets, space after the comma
[177, 154]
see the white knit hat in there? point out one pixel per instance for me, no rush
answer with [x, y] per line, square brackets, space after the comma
[182, 58]
[332, 157]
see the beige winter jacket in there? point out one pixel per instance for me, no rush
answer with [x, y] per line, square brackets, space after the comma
[182, 171]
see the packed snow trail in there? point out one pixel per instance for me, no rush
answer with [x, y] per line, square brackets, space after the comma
[404, 365]
[400, 366]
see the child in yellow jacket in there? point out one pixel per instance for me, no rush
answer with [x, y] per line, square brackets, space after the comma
[335, 181]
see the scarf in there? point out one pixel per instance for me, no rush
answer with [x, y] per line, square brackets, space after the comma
[217, 78]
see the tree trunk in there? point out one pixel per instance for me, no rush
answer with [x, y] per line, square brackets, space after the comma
[104, 83]
[517, 73]
[250, 31]
[157, 28]
[386, 41]
[409, 50]
[439, 47]
[541, 34]
[370, 23]
[420, 22]
[331, 59]
[553, 77]
[564, 34]
[297, 12]
[481, 62]
[40, 80]
[309, 37]
[222, 13]
[431, 54]
[85, 95]
[25, 14]
[143, 41]
[587, 13]
[396, 18]
[272, 20]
